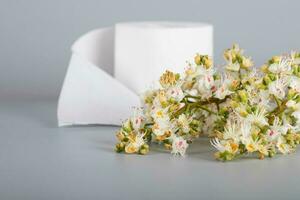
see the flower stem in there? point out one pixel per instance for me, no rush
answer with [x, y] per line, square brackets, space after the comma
[206, 109]
[277, 100]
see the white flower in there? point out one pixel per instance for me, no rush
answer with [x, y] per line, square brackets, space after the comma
[208, 81]
[135, 143]
[158, 113]
[232, 131]
[247, 62]
[205, 82]
[283, 67]
[240, 110]
[208, 125]
[224, 146]
[276, 130]
[294, 128]
[138, 119]
[251, 145]
[258, 117]
[235, 67]
[203, 92]
[202, 71]
[184, 123]
[296, 107]
[146, 96]
[294, 60]
[175, 93]
[216, 143]
[295, 83]
[139, 141]
[296, 114]
[277, 88]
[291, 104]
[193, 72]
[255, 145]
[262, 98]
[192, 92]
[161, 120]
[179, 146]
[254, 74]
[161, 127]
[223, 90]
[159, 100]
[244, 104]
[245, 129]
[127, 125]
[282, 146]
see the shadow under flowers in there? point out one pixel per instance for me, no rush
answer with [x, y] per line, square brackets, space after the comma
[200, 149]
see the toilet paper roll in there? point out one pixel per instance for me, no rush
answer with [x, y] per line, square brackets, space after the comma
[109, 67]
[147, 49]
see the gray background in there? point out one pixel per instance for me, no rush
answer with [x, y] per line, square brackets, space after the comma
[36, 35]
[40, 161]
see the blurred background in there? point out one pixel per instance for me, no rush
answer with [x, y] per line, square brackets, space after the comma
[36, 35]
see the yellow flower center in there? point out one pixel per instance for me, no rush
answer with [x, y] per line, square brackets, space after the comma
[168, 78]
[234, 147]
[159, 114]
[250, 147]
[130, 149]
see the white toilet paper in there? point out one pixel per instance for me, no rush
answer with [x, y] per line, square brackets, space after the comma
[144, 50]
[110, 66]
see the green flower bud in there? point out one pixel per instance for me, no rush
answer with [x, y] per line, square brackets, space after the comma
[223, 110]
[171, 101]
[291, 94]
[267, 80]
[243, 96]
[246, 63]
[261, 86]
[272, 77]
[203, 60]
[125, 139]
[127, 126]
[239, 58]
[264, 68]
[119, 147]
[217, 76]
[227, 55]
[276, 59]
[207, 61]
[168, 146]
[234, 104]
[224, 156]
[271, 154]
[295, 69]
[144, 149]
[195, 122]
[197, 59]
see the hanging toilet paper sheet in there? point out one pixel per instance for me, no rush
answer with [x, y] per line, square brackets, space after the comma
[109, 67]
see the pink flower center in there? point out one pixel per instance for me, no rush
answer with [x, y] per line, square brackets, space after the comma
[180, 143]
[213, 88]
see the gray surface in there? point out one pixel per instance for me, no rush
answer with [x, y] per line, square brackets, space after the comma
[36, 35]
[40, 161]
